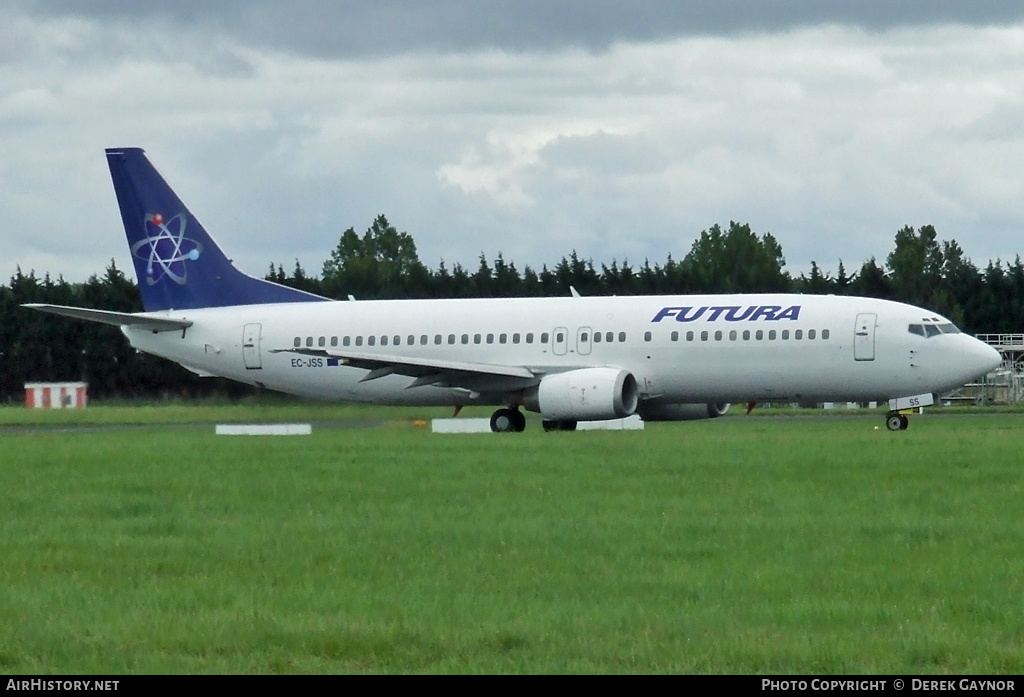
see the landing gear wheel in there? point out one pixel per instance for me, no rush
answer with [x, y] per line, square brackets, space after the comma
[559, 425]
[502, 421]
[508, 421]
[519, 420]
[896, 422]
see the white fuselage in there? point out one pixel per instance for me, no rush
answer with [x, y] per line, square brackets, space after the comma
[739, 348]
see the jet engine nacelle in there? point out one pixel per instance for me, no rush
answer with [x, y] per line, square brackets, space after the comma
[587, 394]
[681, 412]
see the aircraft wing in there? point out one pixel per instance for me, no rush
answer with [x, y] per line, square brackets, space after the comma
[429, 371]
[117, 319]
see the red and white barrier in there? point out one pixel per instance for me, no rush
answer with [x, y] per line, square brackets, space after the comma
[55, 395]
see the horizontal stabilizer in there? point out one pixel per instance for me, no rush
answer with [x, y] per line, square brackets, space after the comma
[117, 319]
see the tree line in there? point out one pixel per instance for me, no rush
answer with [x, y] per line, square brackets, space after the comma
[383, 263]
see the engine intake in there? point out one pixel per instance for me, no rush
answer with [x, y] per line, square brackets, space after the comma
[587, 394]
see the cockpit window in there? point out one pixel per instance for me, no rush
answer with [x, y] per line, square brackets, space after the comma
[930, 330]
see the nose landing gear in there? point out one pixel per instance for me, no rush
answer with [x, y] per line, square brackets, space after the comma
[894, 421]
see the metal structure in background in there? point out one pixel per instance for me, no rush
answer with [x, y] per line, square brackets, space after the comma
[1005, 384]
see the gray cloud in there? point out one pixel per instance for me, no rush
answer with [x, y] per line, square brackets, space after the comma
[617, 136]
[352, 28]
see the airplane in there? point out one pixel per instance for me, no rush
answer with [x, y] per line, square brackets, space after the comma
[666, 358]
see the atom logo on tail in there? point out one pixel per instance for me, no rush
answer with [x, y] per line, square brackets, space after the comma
[165, 249]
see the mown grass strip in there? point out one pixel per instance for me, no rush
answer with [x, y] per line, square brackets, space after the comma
[732, 546]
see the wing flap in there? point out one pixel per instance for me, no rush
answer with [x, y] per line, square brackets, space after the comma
[427, 371]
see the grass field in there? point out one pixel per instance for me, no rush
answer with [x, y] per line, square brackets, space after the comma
[765, 545]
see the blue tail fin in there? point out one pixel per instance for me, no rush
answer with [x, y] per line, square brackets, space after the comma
[178, 264]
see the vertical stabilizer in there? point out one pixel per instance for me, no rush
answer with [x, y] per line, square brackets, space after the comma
[177, 263]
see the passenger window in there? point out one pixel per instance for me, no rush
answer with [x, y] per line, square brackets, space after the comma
[703, 336]
[732, 335]
[298, 341]
[785, 334]
[597, 337]
[647, 336]
[490, 338]
[309, 341]
[543, 338]
[346, 341]
[798, 334]
[559, 338]
[322, 341]
[371, 340]
[718, 335]
[810, 334]
[465, 338]
[423, 339]
[451, 339]
[824, 335]
[529, 338]
[334, 341]
[760, 335]
[515, 339]
[359, 341]
[503, 338]
[622, 337]
[746, 335]
[411, 340]
[675, 336]
[397, 340]
[476, 338]
[609, 337]
[584, 338]
[437, 339]
[771, 335]
[384, 341]
[689, 336]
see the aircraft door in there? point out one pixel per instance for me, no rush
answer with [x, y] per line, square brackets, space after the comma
[864, 337]
[251, 347]
[560, 341]
[583, 338]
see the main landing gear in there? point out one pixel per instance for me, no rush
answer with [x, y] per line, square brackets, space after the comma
[508, 421]
[895, 421]
[511, 420]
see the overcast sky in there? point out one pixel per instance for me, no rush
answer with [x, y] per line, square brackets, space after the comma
[531, 128]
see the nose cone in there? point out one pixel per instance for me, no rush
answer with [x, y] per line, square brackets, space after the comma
[981, 358]
[961, 360]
